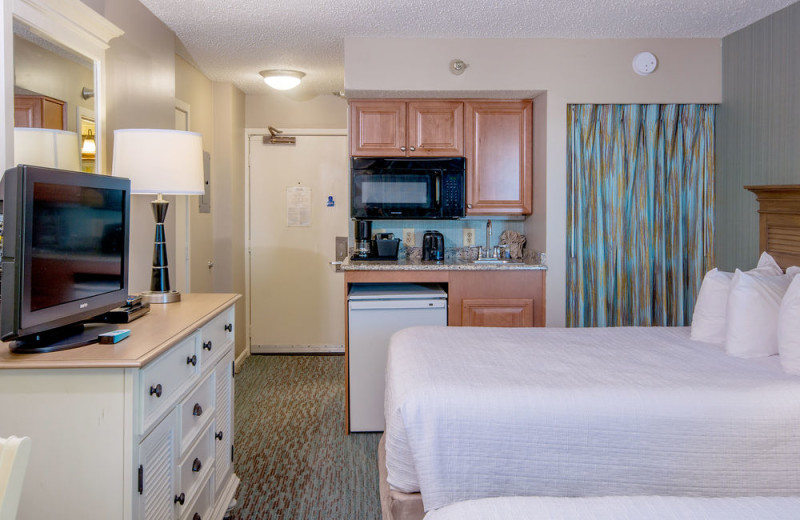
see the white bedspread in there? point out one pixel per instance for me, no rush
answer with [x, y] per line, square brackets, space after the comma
[622, 508]
[481, 412]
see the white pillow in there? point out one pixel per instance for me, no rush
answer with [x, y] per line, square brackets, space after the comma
[710, 309]
[709, 321]
[789, 327]
[753, 305]
[793, 270]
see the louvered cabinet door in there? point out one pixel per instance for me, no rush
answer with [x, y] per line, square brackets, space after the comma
[155, 485]
[223, 436]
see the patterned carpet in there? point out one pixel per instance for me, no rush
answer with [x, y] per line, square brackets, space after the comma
[292, 454]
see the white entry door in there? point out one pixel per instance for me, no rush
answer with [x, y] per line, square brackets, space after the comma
[296, 296]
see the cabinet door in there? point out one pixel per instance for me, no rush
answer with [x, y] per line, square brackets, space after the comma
[504, 298]
[499, 144]
[499, 312]
[39, 112]
[436, 128]
[223, 436]
[378, 128]
[156, 473]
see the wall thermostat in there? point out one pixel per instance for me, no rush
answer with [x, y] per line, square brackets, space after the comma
[644, 63]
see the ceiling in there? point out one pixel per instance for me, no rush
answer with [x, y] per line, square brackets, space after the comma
[233, 40]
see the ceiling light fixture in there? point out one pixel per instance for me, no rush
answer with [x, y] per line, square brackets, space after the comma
[282, 79]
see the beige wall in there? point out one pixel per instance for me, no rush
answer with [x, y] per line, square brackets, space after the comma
[569, 71]
[192, 87]
[281, 111]
[227, 196]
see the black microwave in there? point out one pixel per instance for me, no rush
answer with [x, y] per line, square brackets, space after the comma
[413, 188]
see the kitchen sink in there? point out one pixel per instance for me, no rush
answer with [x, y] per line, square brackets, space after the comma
[496, 261]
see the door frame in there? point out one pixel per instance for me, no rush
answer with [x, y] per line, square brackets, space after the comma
[248, 134]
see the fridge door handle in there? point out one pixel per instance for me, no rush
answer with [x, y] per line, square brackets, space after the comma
[356, 305]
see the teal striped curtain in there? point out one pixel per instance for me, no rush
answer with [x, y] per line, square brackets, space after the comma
[640, 212]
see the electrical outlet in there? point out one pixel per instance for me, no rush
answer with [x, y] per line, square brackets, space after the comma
[409, 237]
[469, 237]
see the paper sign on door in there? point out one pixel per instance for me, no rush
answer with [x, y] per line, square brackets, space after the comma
[298, 206]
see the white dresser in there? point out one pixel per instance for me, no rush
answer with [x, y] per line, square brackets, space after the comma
[140, 430]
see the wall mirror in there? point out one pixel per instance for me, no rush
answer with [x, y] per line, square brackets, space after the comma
[57, 83]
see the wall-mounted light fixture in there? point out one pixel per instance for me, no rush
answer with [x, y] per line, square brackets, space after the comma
[282, 79]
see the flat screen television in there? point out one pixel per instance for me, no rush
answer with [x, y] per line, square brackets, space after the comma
[65, 255]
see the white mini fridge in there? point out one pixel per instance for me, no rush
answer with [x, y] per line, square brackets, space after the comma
[376, 311]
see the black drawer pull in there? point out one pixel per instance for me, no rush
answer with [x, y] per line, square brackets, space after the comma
[192, 360]
[196, 465]
[196, 517]
[155, 390]
[229, 327]
[180, 499]
[207, 345]
[218, 435]
[197, 411]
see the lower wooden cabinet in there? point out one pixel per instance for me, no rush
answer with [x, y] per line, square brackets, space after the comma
[496, 298]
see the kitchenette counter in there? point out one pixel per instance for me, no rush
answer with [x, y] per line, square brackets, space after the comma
[455, 264]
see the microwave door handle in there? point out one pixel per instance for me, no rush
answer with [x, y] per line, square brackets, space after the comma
[438, 190]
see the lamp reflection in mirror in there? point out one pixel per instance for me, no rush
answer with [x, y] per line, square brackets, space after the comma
[46, 147]
[160, 162]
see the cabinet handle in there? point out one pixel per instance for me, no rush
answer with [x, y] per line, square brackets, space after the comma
[155, 390]
[229, 327]
[180, 499]
[469, 206]
[402, 148]
[197, 411]
[196, 465]
[218, 435]
[192, 360]
[196, 517]
[411, 148]
[207, 345]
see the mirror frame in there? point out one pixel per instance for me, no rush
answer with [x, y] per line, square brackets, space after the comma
[70, 24]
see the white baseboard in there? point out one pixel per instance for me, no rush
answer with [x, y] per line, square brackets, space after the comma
[240, 359]
[297, 349]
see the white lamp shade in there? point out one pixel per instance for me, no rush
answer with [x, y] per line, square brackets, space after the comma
[46, 147]
[169, 162]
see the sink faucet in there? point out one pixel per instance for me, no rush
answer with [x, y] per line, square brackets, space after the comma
[488, 237]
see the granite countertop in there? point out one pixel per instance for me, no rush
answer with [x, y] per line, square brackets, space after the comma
[448, 264]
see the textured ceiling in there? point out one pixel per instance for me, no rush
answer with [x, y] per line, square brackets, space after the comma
[231, 40]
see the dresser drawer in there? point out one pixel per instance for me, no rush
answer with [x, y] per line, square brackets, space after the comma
[197, 464]
[164, 380]
[196, 410]
[201, 508]
[217, 334]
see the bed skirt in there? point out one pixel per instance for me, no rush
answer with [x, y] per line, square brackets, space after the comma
[396, 505]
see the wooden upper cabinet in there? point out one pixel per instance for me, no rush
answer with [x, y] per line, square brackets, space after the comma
[39, 112]
[435, 128]
[403, 128]
[377, 128]
[499, 145]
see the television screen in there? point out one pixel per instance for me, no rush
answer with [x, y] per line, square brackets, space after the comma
[65, 254]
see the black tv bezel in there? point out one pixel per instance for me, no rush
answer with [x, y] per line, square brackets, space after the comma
[17, 320]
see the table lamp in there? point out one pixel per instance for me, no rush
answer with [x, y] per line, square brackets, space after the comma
[160, 162]
[46, 147]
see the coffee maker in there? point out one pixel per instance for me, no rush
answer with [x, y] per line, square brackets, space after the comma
[363, 239]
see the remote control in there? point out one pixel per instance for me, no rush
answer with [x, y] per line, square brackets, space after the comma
[114, 336]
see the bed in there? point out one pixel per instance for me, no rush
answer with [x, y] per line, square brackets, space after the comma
[621, 508]
[470, 413]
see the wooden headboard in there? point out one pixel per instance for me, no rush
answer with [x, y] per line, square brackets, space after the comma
[779, 222]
